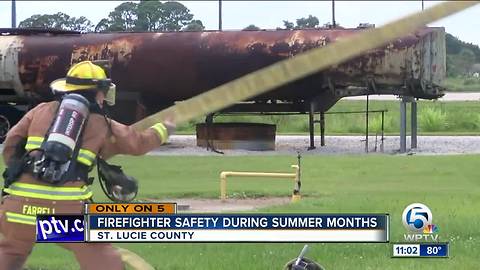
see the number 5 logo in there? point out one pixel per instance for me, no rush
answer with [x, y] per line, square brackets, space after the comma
[416, 216]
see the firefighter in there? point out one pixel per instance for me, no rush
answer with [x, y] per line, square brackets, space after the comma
[33, 193]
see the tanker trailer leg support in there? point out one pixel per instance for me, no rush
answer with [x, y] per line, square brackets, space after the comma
[403, 125]
[366, 124]
[322, 128]
[413, 123]
[311, 125]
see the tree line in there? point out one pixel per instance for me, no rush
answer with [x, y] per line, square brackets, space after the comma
[148, 16]
[461, 56]
[128, 16]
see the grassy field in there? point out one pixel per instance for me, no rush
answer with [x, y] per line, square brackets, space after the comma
[460, 84]
[449, 185]
[439, 118]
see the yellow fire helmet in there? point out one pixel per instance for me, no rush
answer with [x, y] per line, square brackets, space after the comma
[86, 76]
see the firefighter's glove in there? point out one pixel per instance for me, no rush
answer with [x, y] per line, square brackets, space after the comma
[164, 130]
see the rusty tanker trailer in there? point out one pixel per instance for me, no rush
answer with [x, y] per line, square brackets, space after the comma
[154, 70]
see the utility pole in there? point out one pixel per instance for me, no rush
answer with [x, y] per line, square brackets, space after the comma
[333, 14]
[220, 15]
[14, 14]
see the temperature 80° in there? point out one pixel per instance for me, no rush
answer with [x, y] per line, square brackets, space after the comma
[433, 250]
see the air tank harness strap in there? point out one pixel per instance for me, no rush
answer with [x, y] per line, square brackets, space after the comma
[48, 192]
[33, 142]
[85, 156]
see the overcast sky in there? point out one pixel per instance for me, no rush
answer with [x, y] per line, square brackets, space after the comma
[265, 14]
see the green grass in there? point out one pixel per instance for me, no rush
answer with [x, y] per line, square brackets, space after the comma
[449, 185]
[459, 118]
[461, 84]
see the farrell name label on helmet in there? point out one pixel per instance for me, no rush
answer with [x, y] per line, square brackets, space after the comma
[131, 208]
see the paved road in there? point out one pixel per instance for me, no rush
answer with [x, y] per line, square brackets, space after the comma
[447, 97]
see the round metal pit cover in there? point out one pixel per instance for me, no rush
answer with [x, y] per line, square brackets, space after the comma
[246, 136]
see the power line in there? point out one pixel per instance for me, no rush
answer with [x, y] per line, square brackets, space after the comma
[14, 14]
[333, 14]
[220, 15]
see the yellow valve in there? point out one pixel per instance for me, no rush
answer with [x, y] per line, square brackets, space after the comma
[296, 197]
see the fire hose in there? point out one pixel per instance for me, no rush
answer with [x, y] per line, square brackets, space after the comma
[133, 260]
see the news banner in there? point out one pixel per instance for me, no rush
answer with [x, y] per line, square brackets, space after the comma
[160, 222]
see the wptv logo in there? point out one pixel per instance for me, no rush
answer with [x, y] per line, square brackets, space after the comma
[417, 219]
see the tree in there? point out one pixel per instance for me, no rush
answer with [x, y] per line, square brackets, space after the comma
[455, 46]
[175, 16]
[288, 25]
[149, 16]
[302, 23]
[466, 59]
[461, 56]
[59, 21]
[251, 27]
[194, 26]
[102, 26]
[310, 22]
[122, 18]
[81, 24]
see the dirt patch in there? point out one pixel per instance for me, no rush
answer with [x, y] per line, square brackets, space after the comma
[230, 205]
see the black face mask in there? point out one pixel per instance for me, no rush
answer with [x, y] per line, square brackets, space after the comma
[116, 185]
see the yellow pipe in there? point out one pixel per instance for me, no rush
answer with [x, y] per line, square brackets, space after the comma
[260, 174]
[223, 178]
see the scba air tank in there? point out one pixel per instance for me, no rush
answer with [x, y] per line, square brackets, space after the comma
[66, 129]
